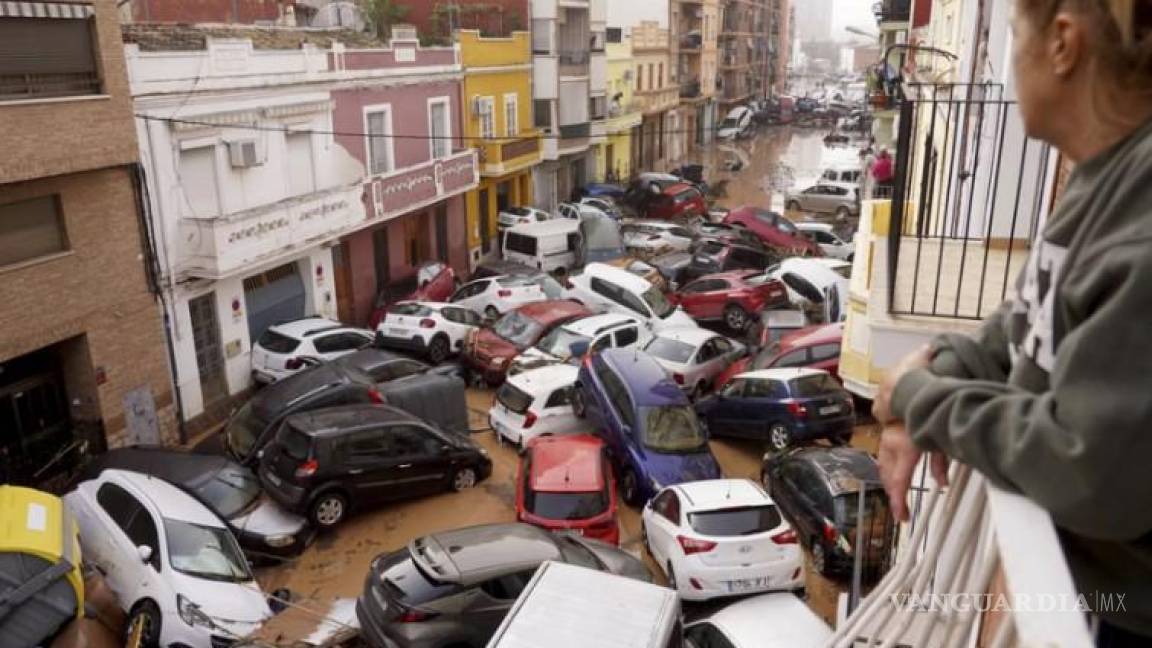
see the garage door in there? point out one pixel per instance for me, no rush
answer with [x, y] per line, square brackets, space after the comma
[273, 296]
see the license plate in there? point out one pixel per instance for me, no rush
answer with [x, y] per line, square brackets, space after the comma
[398, 332]
[273, 478]
[831, 409]
[746, 584]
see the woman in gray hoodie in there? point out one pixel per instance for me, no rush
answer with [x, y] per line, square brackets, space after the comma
[1053, 397]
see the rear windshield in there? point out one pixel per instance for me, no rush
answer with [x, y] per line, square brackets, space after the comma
[417, 310]
[809, 386]
[278, 343]
[847, 507]
[295, 443]
[735, 522]
[565, 506]
[513, 398]
[406, 582]
[670, 350]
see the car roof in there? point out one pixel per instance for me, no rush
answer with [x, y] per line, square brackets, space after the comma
[275, 397]
[544, 228]
[713, 494]
[737, 276]
[776, 620]
[474, 554]
[596, 323]
[567, 464]
[170, 464]
[308, 326]
[618, 276]
[645, 378]
[819, 334]
[812, 225]
[173, 503]
[782, 373]
[369, 357]
[842, 468]
[545, 379]
[329, 421]
[694, 335]
[553, 310]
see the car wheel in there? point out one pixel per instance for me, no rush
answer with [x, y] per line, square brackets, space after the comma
[735, 317]
[463, 479]
[819, 558]
[794, 206]
[491, 313]
[438, 349]
[779, 436]
[328, 510]
[630, 488]
[579, 406]
[148, 616]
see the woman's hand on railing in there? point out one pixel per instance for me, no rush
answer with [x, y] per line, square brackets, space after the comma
[898, 460]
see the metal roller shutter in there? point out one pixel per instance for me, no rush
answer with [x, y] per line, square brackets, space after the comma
[273, 296]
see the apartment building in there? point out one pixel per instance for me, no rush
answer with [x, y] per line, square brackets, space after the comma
[743, 52]
[616, 159]
[82, 360]
[696, 25]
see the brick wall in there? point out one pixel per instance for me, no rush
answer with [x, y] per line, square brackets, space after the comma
[492, 17]
[212, 11]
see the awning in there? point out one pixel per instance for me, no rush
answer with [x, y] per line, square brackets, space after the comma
[72, 10]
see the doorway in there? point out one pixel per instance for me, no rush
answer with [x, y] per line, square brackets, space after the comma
[610, 163]
[442, 232]
[342, 279]
[485, 235]
[206, 340]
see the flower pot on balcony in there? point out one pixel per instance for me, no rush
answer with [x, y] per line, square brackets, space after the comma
[879, 100]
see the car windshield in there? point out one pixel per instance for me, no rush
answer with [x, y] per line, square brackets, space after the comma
[514, 398]
[764, 357]
[711, 248]
[565, 506]
[743, 521]
[672, 428]
[519, 329]
[230, 491]
[205, 552]
[729, 123]
[670, 350]
[244, 429]
[815, 385]
[559, 342]
[658, 302]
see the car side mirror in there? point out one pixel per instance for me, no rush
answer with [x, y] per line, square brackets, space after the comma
[578, 349]
[145, 553]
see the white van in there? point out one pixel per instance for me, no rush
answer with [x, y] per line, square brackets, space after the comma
[844, 173]
[565, 606]
[547, 245]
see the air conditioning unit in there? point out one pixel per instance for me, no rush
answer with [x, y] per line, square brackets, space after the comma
[244, 153]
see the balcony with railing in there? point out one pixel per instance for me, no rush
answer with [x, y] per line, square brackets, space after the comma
[510, 154]
[657, 99]
[892, 11]
[690, 89]
[575, 62]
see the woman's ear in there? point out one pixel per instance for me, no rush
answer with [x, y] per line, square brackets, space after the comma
[1065, 43]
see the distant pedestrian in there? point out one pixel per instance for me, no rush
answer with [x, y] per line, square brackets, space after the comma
[882, 173]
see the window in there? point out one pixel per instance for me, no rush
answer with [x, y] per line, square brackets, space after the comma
[30, 229]
[470, 290]
[667, 505]
[660, 77]
[559, 398]
[797, 358]
[511, 115]
[627, 336]
[509, 586]
[487, 117]
[615, 35]
[731, 522]
[412, 441]
[369, 443]
[820, 384]
[825, 352]
[520, 243]
[142, 532]
[705, 635]
[51, 56]
[541, 36]
[542, 113]
[378, 133]
[301, 177]
[462, 316]
[739, 387]
[439, 128]
[340, 342]
[118, 504]
[639, 77]
[197, 176]
[398, 369]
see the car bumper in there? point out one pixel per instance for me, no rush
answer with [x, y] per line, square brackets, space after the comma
[414, 343]
[372, 624]
[269, 376]
[255, 544]
[492, 375]
[292, 497]
[738, 580]
[828, 429]
[506, 430]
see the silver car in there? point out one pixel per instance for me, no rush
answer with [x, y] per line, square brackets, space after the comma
[825, 197]
[454, 588]
[694, 356]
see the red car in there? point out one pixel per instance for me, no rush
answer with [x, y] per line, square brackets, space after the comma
[565, 484]
[680, 200]
[775, 230]
[734, 297]
[434, 281]
[489, 351]
[816, 347]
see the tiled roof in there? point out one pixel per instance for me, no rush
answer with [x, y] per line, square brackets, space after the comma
[156, 37]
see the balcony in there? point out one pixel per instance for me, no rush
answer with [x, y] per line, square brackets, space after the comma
[690, 90]
[575, 131]
[893, 11]
[659, 100]
[509, 155]
[691, 42]
[574, 62]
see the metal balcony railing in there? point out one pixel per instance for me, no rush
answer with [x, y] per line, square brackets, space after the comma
[893, 10]
[691, 42]
[575, 131]
[574, 57]
[48, 84]
[690, 89]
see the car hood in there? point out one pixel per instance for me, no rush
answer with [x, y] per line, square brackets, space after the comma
[268, 519]
[238, 607]
[615, 560]
[678, 318]
[668, 469]
[490, 345]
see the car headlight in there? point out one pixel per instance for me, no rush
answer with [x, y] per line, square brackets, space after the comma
[191, 613]
[279, 540]
[496, 363]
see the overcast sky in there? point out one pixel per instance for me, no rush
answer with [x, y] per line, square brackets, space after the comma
[857, 13]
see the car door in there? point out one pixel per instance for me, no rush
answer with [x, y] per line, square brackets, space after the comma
[368, 472]
[721, 355]
[471, 295]
[457, 322]
[663, 526]
[694, 298]
[826, 357]
[490, 601]
[420, 460]
[726, 414]
[126, 525]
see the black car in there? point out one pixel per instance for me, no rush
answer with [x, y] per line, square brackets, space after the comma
[231, 491]
[349, 379]
[325, 462]
[713, 256]
[499, 267]
[819, 490]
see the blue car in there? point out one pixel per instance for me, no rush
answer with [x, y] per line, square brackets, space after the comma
[645, 420]
[784, 406]
[604, 190]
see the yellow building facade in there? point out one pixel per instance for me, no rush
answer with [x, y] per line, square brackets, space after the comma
[615, 156]
[498, 121]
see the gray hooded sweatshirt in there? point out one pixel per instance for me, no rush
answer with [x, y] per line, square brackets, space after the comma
[1053, 397]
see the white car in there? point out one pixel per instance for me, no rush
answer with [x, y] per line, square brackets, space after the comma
[650, 237]
[283, 349]
[513, 216]
[494, 296]
[694, 356]
[432, 328]
[812, 283]
[605, 205]
[737, 124]
[832, 245]
[581, 210]
[721, 537]
[170, 561]
[842, 268]
[607, 331]
[777, 620]
[606, 288]
[536, 403]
